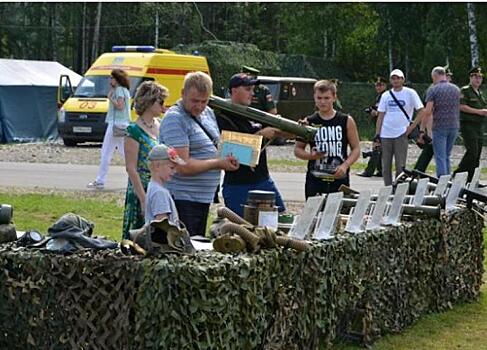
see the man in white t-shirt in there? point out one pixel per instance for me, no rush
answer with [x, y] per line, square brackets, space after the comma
[393, 126]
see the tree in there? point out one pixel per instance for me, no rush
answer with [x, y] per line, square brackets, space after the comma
[472, 29]
[96, 32]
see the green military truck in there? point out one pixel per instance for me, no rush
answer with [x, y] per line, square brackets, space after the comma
[294, 96]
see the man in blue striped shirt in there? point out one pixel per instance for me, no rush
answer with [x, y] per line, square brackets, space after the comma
[190, 127]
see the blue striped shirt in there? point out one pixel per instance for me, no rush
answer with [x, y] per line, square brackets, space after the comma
[178, 129]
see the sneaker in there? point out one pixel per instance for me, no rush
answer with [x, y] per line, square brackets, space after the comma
[96, 185]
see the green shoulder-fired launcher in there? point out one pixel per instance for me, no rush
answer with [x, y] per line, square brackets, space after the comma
[304, 132]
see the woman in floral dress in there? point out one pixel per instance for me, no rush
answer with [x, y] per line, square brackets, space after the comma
[142, 135]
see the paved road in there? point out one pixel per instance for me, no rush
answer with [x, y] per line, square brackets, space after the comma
[75, 177]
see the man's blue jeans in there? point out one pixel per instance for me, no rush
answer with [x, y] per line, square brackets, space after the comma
[235, 196]
[443, 140]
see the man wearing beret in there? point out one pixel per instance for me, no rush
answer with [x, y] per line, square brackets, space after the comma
[237, 184]
[473, 110]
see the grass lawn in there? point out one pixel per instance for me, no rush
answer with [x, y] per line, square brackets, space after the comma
[464, 327]
[39, 210]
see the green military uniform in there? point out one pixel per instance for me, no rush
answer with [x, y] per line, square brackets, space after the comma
[337, 105]
[427, 153]
[262, 98]
[425, 157]
[471, 127]
[375, 161]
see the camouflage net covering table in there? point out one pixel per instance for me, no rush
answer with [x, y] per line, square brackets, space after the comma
[357, 286]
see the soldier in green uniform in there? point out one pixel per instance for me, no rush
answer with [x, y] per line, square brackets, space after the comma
[449, 74]
[473, 110]
[262, 98]
[375, 161]
[337, 105]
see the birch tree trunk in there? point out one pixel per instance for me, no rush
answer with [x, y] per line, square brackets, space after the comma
[52, 37]
[96, 33]
[474, 45]
[406, 64]
[389, 45]
[156, 36]
[83, 39]
[325, 44]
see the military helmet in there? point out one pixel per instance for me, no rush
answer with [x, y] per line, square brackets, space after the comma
[163, 236]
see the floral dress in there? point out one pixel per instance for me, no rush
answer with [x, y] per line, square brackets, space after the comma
[132, 216]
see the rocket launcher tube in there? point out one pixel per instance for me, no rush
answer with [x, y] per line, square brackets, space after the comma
[305, 132]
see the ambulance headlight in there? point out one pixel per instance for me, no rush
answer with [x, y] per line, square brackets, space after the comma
[61, 114]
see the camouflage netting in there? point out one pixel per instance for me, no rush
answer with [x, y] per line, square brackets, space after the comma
[310, 67]
[226, 58]
[358, 286]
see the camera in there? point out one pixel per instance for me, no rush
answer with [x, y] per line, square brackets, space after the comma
[367, 154]
[369, 109]
[427, 140]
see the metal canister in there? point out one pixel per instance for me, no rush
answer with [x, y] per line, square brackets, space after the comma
[261, 209]
[6, 212]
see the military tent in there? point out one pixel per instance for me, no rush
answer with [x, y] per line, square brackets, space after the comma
[28, 89]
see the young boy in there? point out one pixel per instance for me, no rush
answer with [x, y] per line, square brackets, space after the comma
[328, 158]
[158, 201]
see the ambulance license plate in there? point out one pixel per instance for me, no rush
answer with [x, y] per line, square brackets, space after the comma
[82, 129]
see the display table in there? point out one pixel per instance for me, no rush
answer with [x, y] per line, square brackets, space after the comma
[358, 286]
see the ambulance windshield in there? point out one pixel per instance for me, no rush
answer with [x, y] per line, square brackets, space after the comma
[97, 86]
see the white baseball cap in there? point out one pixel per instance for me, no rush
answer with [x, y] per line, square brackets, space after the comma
[397, 73]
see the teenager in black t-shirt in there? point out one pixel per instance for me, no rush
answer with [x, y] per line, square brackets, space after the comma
[328, 159]
[236, 184]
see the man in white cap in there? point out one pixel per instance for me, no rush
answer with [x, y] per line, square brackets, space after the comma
[396, 110]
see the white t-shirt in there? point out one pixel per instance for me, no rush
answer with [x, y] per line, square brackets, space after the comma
[395, 123]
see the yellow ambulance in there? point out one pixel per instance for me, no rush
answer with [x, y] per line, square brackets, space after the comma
[82, 111]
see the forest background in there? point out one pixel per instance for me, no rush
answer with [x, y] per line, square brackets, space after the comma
[353, 42]
[363, 39]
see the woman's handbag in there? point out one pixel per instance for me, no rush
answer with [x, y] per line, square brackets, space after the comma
[121, 118]
[119, 130]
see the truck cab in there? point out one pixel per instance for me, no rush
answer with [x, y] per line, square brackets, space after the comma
[293, 96]
[82, 112]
